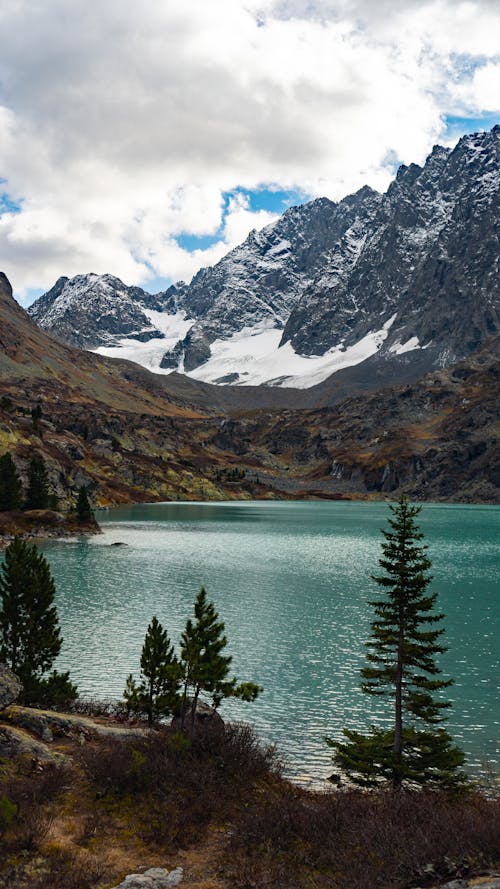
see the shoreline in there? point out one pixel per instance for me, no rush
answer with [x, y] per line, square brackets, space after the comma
[42, 524]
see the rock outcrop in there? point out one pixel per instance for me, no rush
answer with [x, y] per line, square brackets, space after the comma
[10, 686]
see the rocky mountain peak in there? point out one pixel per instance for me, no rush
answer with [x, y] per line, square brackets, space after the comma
[408, 277]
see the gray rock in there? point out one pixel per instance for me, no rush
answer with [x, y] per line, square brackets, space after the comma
[15, 741]
[485, 883]
[154, 878]
[10, 686]
[207, 720]
[36, 723]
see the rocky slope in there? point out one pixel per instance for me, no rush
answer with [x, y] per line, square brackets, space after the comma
[436, 439]
[408, 279]
[136, 436]
[106, 424]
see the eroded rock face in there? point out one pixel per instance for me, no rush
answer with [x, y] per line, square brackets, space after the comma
[10, 686]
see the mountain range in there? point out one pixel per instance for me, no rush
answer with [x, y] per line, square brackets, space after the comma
[131, 436]
[372, 289]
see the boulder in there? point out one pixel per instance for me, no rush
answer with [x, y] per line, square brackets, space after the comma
[33, 721]
[10, 686]
[15, 742]
[207, 720]
[154, 878]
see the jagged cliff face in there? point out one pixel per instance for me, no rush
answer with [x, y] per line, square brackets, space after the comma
[429, 259]
[400, 280]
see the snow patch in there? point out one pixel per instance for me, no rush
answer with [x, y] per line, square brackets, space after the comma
[256, 356]
[150, 354]
[400, 348]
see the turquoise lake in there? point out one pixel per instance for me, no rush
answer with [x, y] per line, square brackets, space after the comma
[292, 583]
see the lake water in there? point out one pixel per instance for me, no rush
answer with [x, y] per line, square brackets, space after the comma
[292, 583]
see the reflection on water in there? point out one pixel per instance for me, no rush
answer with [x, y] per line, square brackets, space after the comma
[292, 582]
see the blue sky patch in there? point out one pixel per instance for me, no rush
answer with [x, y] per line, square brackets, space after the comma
[457, 126]
[269, 199]
[7, 204]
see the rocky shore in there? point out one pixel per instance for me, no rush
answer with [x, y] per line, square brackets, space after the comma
[42, 524]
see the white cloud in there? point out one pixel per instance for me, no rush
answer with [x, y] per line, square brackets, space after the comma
[482, 91]
[121, 130]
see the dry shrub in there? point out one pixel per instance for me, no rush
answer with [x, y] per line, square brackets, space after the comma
[65, 870]
[58, 869]
[176, 785]
[356, 840]
[32, 793]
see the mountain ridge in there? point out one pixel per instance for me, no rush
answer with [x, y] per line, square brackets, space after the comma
[327, 287]
[133, 436]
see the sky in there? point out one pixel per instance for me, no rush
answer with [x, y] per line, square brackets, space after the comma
[146, 140]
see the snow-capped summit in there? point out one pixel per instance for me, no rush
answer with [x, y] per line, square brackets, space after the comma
[91, 310]
[410, 276]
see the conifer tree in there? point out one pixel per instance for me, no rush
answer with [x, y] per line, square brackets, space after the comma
[205, 667]
[30, 638]
[402, 668]
[158, 691]
[37, 496]
[83, 507]
[10, 484]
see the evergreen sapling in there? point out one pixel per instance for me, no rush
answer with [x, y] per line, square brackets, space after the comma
[157, 693]
[30, 638]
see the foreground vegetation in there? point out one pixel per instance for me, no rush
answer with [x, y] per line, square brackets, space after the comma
[211, 797]
[218, 805]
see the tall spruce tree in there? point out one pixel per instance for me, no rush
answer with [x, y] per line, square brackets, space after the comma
[205, 667]
[10, 484]
[37, 496]
[30, 639]
[402, 668]
[158, 691]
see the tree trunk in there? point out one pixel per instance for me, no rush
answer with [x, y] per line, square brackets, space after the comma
[193, 710]
[183, 705]
[397, 777]
[398, 714]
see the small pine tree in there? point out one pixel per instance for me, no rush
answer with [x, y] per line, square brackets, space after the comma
[36, 416]
[37, 496]
[83, 508]
[30, 638]
[10, 484]
[158, 692]
[205, 667]
[402, 668]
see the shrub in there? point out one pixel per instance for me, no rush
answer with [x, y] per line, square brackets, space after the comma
[8, 811]
[177, 785]
[56, 692]
[354, 839]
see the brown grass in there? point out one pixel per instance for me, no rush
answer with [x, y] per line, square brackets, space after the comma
[219, 807]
